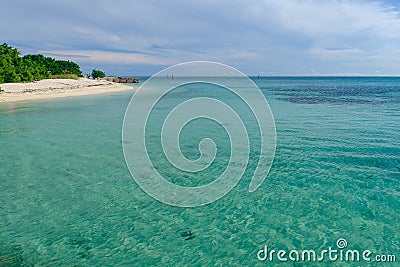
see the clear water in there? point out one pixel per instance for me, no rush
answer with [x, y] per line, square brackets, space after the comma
[67, 197]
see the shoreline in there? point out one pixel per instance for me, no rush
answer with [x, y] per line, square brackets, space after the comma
[57, 88]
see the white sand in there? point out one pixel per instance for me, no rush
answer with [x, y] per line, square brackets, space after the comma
[55, 88]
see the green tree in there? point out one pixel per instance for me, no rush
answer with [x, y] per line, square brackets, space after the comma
[14, 68]
[9, 60]
[98, 74]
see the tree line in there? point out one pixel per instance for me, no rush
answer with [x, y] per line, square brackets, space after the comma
[14, 68]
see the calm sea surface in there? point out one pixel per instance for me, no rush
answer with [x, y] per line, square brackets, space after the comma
[68, 199]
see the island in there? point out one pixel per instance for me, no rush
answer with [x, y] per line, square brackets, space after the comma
[32, 77]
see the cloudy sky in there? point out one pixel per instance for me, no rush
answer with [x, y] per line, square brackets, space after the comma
[267, 37]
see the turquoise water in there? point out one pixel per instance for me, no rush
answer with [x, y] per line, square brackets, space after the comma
[68, 199]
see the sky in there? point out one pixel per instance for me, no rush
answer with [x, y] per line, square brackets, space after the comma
[258, 37]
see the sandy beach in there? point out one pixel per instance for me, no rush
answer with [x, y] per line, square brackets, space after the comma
[56, 88]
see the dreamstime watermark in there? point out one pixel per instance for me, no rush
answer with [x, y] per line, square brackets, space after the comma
[145, 101]
[338, 254]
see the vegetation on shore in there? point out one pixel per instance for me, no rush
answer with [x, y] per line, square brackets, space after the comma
[14, 68]
[97, 74]
[65, 76]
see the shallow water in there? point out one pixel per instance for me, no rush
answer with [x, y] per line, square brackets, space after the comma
[68, 199]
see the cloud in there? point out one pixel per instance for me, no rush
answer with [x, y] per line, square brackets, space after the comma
[286, 37]
[104, 57]
[339, 54]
